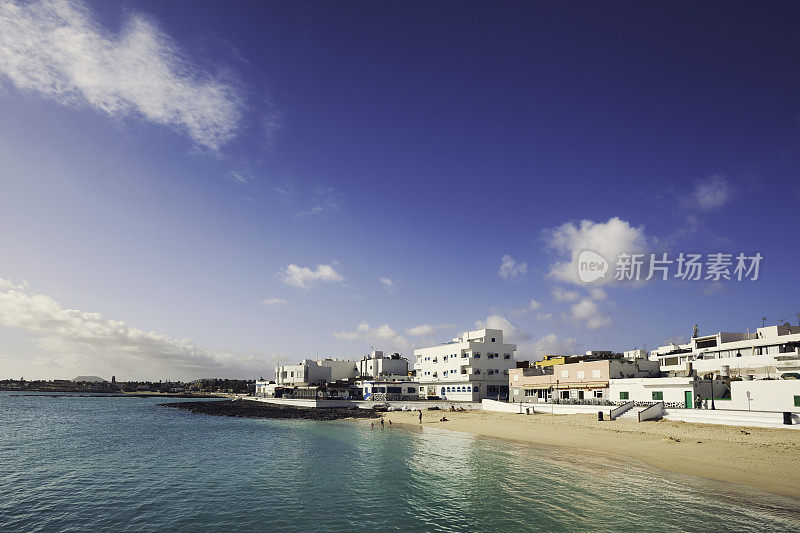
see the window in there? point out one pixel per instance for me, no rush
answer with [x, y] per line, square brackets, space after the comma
[477, 370]
[658, 395]
[507, 356]
[477, 355]
[797, 401]
[598, 394]
[581, 374]
[565, 373]
[394, 390]
[623, 395]
[492, 339]
[595, 373]
[412, 389]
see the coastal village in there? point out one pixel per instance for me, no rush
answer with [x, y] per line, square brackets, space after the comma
[745, 379]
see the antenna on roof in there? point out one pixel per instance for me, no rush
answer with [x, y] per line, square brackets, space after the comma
[695, 331]
[763, 321]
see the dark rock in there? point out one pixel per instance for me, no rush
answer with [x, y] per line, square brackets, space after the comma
[252, 409]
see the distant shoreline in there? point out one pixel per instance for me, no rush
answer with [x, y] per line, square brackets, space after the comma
[56, 394]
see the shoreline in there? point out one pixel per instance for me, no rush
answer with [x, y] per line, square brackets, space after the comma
[763, 458]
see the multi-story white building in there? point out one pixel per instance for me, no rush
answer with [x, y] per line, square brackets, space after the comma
[467, 368]
[376, 365]
[772, 351]
[310, 372]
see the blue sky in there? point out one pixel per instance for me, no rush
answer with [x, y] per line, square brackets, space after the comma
[194, 190]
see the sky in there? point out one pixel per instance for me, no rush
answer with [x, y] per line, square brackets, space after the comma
[195, 189]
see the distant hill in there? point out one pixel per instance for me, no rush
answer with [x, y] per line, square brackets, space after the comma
[93, 379]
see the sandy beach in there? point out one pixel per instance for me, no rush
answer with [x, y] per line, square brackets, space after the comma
[767, 459]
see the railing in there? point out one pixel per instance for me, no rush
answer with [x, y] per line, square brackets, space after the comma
[654, 411]
[617, 411]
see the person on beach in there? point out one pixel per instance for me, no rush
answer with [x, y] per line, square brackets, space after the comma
[420, 416]
[372, 425]
[381, 423]
[390, 424]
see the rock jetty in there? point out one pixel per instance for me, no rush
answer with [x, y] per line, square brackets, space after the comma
[251, 409]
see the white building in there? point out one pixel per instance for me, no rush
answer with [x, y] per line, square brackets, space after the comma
[779, 395]
[467, 368]
[376, 365]
[771, 351]
[382, 391]
[310, 372]
[680, 392]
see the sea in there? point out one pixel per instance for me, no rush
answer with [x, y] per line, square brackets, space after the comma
[93, 463]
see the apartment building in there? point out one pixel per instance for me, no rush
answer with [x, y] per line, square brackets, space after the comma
[467, 368]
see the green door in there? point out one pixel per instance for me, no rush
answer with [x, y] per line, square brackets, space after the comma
[687, 395]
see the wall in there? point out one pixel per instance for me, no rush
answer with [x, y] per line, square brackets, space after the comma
[641, 390]
[765, 395]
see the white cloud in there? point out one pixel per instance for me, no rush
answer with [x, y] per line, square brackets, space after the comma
[541, 317]
[533, 305]
[241, 176]
[609, 239]
[382, 335]
[58, 50]
[387, 284]
[273, 301]
[562, 295]
[589, 314]
[552, 345]
[427, 329]
[323, 201]
[510, 269]
[305, 278]
[713, 192]
[81, 342]
[511, 333]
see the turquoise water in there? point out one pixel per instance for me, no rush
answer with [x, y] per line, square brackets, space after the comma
[101, 463]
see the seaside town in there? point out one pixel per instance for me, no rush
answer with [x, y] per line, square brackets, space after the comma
[748, 379]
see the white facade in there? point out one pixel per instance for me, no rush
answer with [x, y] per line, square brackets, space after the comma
[468, 368]
[376, 365]
[771, 351]
[310, 372]
[382, 391]
[778, 395]
[675, 392]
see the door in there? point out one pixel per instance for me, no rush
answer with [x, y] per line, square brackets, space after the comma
[687, 395]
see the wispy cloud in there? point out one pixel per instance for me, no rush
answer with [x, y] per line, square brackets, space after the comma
[323, 201]
[511, 269]
[306, 278]
[79, 341]
[388, 284]
[427, 329]
[562, 295]
[241, 176]
[58, 50]
[712, 192]
[273, 301]
[382, 335]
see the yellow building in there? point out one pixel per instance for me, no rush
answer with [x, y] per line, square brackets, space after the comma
[550, 360]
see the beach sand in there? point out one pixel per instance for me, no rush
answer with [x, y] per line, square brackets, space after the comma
[764, 458]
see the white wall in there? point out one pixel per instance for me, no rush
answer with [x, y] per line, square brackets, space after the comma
[641, 389]
[765, 395]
